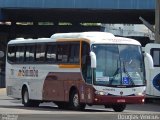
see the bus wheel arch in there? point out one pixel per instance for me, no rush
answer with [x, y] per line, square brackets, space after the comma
[25, 87]
[26, 100]
[74, 99]
[25, 96]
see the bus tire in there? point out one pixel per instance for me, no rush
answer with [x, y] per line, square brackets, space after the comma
[119, 107]
[26, 101]
[74, 101]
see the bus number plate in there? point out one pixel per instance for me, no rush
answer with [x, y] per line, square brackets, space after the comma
[121, 100]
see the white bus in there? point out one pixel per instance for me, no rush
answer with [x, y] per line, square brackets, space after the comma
[153, 75]
[75, 69]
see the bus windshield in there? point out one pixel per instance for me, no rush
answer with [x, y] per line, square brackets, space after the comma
[119, 65]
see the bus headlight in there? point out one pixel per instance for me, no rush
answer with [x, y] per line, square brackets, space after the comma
[99, 92]
[141, 93]
[143, 100]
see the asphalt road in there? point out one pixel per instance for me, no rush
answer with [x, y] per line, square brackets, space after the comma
[11, 109]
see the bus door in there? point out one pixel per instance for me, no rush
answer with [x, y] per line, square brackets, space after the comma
[87, 72]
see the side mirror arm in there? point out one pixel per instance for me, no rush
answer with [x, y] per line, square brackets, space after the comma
[93, 60]
[149, 59]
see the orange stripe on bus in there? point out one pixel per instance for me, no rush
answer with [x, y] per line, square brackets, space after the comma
[69, 66]
[72, 40]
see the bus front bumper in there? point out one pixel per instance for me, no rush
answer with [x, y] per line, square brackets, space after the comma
[100, 99]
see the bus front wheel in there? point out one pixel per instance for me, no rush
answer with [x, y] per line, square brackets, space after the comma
[119, 107]
[26, 101]
[74, 101]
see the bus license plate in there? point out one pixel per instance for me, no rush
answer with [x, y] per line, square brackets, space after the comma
[121, 100]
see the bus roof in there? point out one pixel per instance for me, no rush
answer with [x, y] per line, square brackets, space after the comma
[91, 37]
[82, 35]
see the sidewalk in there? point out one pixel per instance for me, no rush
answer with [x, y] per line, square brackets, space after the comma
[2, 91]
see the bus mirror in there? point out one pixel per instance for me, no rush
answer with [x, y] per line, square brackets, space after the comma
[150, 60]
[93, 60]
[1, 54]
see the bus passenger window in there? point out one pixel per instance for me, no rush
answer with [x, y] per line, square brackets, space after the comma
[74, 53]
[40, 53]
[30, 51]
[155, 52]
[20, 54]
[51, 53]
[63, 51]
[11, 53]
[71, 57]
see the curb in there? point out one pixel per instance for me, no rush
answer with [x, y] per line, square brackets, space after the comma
[2, 91]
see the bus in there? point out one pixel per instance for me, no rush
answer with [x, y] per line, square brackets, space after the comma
[153, 75]
[76, 69]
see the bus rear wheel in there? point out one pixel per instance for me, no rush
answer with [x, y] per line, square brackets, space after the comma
[119, 107]
[75, 103]
[26, 101]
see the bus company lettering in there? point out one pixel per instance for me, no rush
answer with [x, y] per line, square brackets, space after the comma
[28, 72]
[117, 40]
[109, 89]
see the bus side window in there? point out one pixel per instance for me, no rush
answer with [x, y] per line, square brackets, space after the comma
[74, 53]
[40, 52]
[51, 53]
[155, 53]
[86, 64]
[11, 53]
[20, 53]
[30, 53]
[63, 52]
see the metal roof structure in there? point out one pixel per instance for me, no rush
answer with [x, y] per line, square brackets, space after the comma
[104, 11]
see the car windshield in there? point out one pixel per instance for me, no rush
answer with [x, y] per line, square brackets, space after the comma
[118, 65]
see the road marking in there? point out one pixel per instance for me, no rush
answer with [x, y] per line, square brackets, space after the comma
[22, 110]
